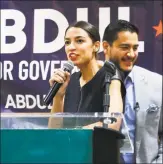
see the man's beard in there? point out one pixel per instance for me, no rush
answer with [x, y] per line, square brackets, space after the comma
[117, 64]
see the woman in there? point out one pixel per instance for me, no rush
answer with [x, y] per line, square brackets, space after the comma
[83, 91]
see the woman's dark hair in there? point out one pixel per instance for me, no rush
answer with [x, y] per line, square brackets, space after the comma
[112, 30]
[89, 28]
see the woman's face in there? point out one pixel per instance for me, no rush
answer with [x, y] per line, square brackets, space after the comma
[79, 46]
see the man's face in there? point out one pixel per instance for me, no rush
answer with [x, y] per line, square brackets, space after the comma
[124, 50]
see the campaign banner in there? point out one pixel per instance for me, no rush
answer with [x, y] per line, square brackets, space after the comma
[32, 42]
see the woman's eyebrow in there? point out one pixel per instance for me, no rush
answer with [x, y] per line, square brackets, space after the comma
[76, 37]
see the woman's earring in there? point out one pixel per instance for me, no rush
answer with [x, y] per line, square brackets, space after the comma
[96, 50]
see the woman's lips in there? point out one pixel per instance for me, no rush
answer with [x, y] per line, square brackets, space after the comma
[73, 56]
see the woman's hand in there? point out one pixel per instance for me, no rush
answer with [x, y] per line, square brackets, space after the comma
[60, 76]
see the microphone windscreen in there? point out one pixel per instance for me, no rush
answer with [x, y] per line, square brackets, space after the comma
[68, 66]
[110, 67]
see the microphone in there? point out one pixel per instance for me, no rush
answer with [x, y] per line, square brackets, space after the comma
[110, 68]
[68, 66]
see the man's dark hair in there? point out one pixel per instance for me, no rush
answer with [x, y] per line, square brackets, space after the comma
[112, 30]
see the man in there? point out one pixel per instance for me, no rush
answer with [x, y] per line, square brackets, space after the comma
[143, 102]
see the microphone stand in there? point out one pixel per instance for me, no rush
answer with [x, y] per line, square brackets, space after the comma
[106, 148]
[106, 100]
[110, 69]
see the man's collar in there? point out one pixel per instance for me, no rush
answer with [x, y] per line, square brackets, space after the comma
[130, 77]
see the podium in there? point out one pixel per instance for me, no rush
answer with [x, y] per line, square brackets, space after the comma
[71, 138]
